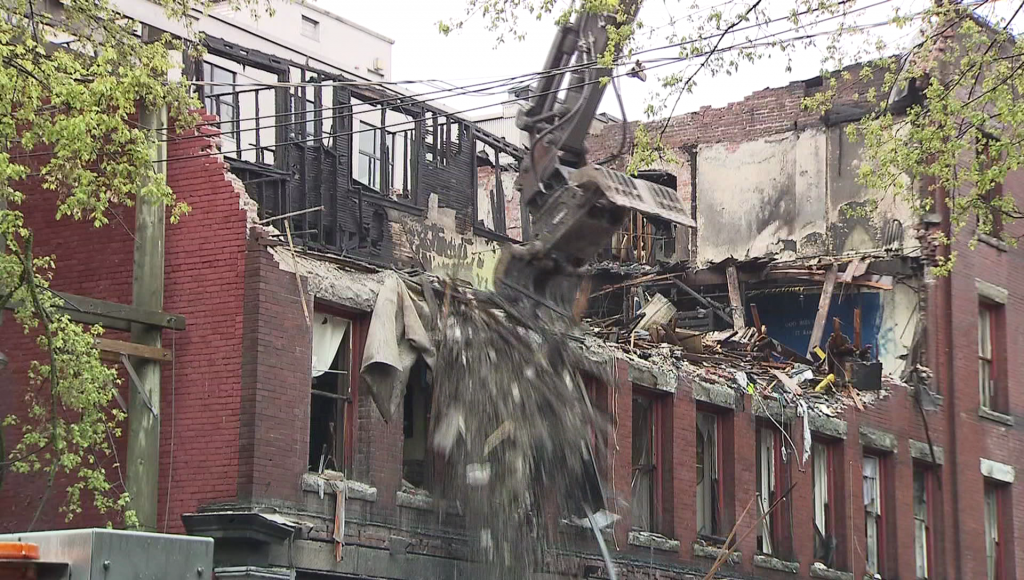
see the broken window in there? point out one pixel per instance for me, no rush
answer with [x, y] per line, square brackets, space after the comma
[644, 239]
[332, 358]
[708, 490]
[990, 352]
[221, 99]
[922, 523]
[769, 453]
[873, 512]
[994, 544]
[369, 160]
[417, 464]
[645, 462]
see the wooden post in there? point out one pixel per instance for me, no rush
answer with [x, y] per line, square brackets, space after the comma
[148, 293]
[734, 297]
[823, 304]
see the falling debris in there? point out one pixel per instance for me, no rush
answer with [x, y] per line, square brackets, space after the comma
[514, 425]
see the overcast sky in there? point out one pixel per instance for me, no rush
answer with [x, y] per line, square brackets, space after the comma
[470, 55]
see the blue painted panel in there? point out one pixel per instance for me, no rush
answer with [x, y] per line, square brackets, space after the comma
[789, 316]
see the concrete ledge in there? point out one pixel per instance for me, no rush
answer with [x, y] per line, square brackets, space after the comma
[701, 550]
[994, 242]
[718, 395]
[652, 377]
[988, 291]
[829, 426]
[818, 570]
[920, 451]
[770, 563]
[998, 471]
[252, 573]
[653, 541]
[878, 439]
[356, 490]
[771, 408]
[994, 416]
[424, 502]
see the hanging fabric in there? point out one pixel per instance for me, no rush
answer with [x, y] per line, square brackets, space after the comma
[328, 332]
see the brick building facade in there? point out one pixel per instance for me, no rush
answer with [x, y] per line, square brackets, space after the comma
[239, 411]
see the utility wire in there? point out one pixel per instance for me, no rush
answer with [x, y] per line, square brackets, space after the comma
[407, 101]
[669, 61]
[745, 44]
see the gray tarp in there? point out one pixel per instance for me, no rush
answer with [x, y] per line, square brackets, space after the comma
[396, 337]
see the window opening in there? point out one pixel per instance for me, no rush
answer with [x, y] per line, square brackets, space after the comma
[310, 28]
[330, 393]
[221, 99]
[922, 526]
[766, 487]
[644, 459]
[417, 464]
[871, 466]
[824, 538]
[708, 512]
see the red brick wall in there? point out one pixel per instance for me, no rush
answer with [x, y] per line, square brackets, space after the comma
[762, 113]
[200, 398]
[276, 359]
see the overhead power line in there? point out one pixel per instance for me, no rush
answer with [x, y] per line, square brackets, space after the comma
[412, 122]
[388, 102]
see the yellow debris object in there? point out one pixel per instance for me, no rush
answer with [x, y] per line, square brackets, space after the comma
[824, 383]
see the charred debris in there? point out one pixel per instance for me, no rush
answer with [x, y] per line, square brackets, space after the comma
[786, 331]
[731, 324]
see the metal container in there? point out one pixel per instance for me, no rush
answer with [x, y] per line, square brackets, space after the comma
[101, 554]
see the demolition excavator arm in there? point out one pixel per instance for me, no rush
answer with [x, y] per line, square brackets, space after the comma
[574, 206]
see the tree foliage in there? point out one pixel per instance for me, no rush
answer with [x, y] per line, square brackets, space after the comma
[71, 82]
[959, 138]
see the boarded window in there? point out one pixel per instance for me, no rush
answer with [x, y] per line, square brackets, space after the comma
[332, 358]
[708, 512]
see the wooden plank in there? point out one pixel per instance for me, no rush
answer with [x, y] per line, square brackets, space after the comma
[132, 349]
[823, 304]
[757, 317]
[120, 312]
[851, 271]
[702, 300]
[734, 297]
[856, 328]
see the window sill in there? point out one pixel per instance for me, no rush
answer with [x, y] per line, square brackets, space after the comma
[702, 550]
[819, 570]
[994, 242]
[320, 484]
[421, 500]
[653, 541]
[772, 563]
[991, 415]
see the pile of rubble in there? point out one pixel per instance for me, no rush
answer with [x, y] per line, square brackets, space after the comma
[749, 359]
